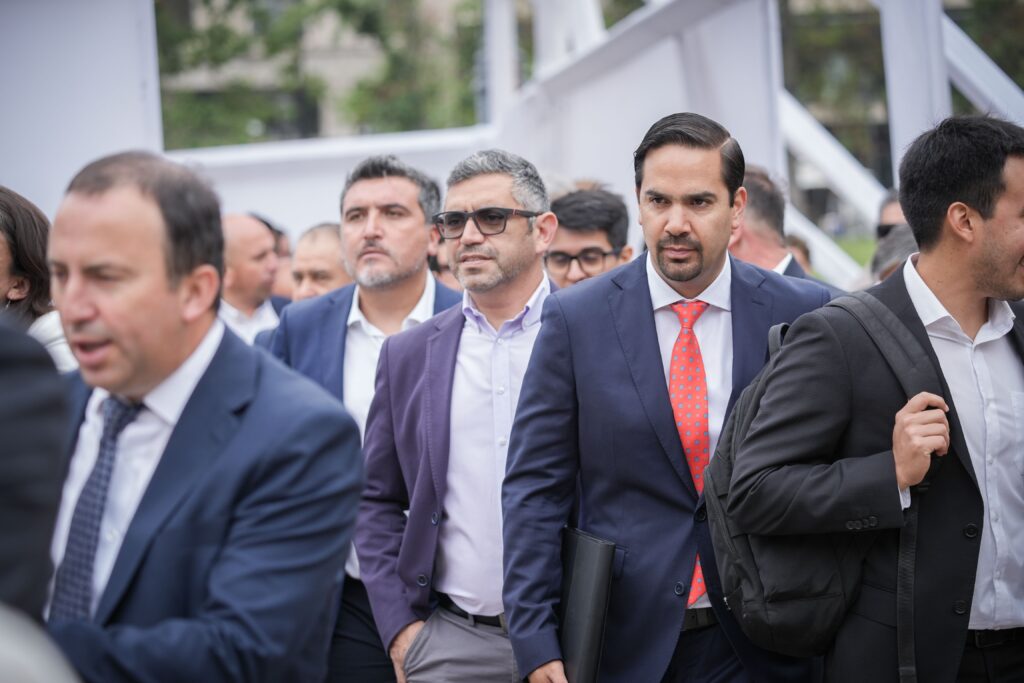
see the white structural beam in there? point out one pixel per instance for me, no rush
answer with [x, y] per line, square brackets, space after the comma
[811, 141]
[80, 81]
[916, 80]
[501, 55]
[978, 77]
[828, 259]
[298, 183]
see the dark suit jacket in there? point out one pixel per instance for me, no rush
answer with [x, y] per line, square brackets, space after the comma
[594, 409]
[223, 572]
[795, 270]
[819, 456]
[311, 335]
[406, 451]
[33, 413]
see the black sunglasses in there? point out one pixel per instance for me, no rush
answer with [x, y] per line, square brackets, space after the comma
[489, 220]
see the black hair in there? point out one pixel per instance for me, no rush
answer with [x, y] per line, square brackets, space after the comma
[26, 230]
[594, 210]
[698, 132]
[960, 160]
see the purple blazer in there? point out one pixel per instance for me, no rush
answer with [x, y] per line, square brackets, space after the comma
[406, 455]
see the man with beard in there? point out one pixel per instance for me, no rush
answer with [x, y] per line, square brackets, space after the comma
[632, 380]
[336, 340]
[838, 446]
[438, 433]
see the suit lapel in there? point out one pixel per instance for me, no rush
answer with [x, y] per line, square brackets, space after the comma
[751, 319]
[210, 420]
[893, 293]
[442, 351]
[632, 314]
[332, 341]
[78, 398]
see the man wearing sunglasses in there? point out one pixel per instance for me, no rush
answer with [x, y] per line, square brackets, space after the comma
[438, 431]
[591, 238]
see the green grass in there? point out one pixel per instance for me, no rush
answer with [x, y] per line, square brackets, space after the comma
[861, 247]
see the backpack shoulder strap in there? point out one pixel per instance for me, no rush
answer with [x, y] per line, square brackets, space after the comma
[915, 373]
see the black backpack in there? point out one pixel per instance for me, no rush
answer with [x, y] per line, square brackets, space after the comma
[790, 594]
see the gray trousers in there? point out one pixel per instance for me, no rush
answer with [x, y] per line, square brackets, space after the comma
[451, 649]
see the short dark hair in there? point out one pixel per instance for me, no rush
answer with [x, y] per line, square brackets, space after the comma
[25, 229]
[960, 160]
[594, 211]
[188, 205]
[698, 132]
[765, 199]
[390, 166]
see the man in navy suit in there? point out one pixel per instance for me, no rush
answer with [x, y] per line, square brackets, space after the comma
[626, 394]
[336, 339]
[210, 493]
[437, 436]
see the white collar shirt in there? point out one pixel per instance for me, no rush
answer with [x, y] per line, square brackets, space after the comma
[139, 449]
[248, 326]
[781, 266]
[363, 343]
[714, 337]
[986, 381]
[489, 369]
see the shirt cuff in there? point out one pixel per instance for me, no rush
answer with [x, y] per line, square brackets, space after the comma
[905, 498]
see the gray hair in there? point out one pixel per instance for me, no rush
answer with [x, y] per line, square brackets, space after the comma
[390, 166]
[527, 187]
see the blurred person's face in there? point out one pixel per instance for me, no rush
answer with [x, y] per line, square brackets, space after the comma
[384, 232]
[250, 262]
[482, 263]
[576, 255]
[686, 216]
[127, 324]
[317, 267]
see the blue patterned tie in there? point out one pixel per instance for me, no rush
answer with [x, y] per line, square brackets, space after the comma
[72, 590]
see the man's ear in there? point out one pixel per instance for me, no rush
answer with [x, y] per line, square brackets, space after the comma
[544, 228]
[198, 291]
[963, 222]
[626, 255]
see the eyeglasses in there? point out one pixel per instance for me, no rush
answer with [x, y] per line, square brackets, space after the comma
[591, 260]
[490, 220]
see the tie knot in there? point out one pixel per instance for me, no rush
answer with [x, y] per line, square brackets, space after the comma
[118, 414]
[689, 311]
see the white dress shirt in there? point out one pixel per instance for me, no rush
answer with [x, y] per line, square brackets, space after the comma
[489, 371]
[48, 331]
[986, 381]
[139, 449]
[363, 343]
[713, 330]
[248, 326]
[781, 266]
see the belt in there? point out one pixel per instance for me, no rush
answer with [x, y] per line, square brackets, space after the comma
[695, 619]
[474, 619]
[983, 639]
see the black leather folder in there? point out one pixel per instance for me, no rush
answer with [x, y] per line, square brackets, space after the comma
[586, 584]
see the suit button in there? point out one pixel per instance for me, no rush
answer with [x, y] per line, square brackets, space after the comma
[434, 519]
[422, 580]
[858, 525]
[679, 589]
[960, 607]
[702, 515]
[849, 525]
[872, 521]
[971, 531]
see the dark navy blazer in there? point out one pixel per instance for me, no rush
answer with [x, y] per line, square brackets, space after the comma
[594, 409]
[311, 335]
[241, 533]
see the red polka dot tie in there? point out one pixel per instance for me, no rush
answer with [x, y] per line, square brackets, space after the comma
[688, 391]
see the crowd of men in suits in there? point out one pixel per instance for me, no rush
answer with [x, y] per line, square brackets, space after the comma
[370, 482]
